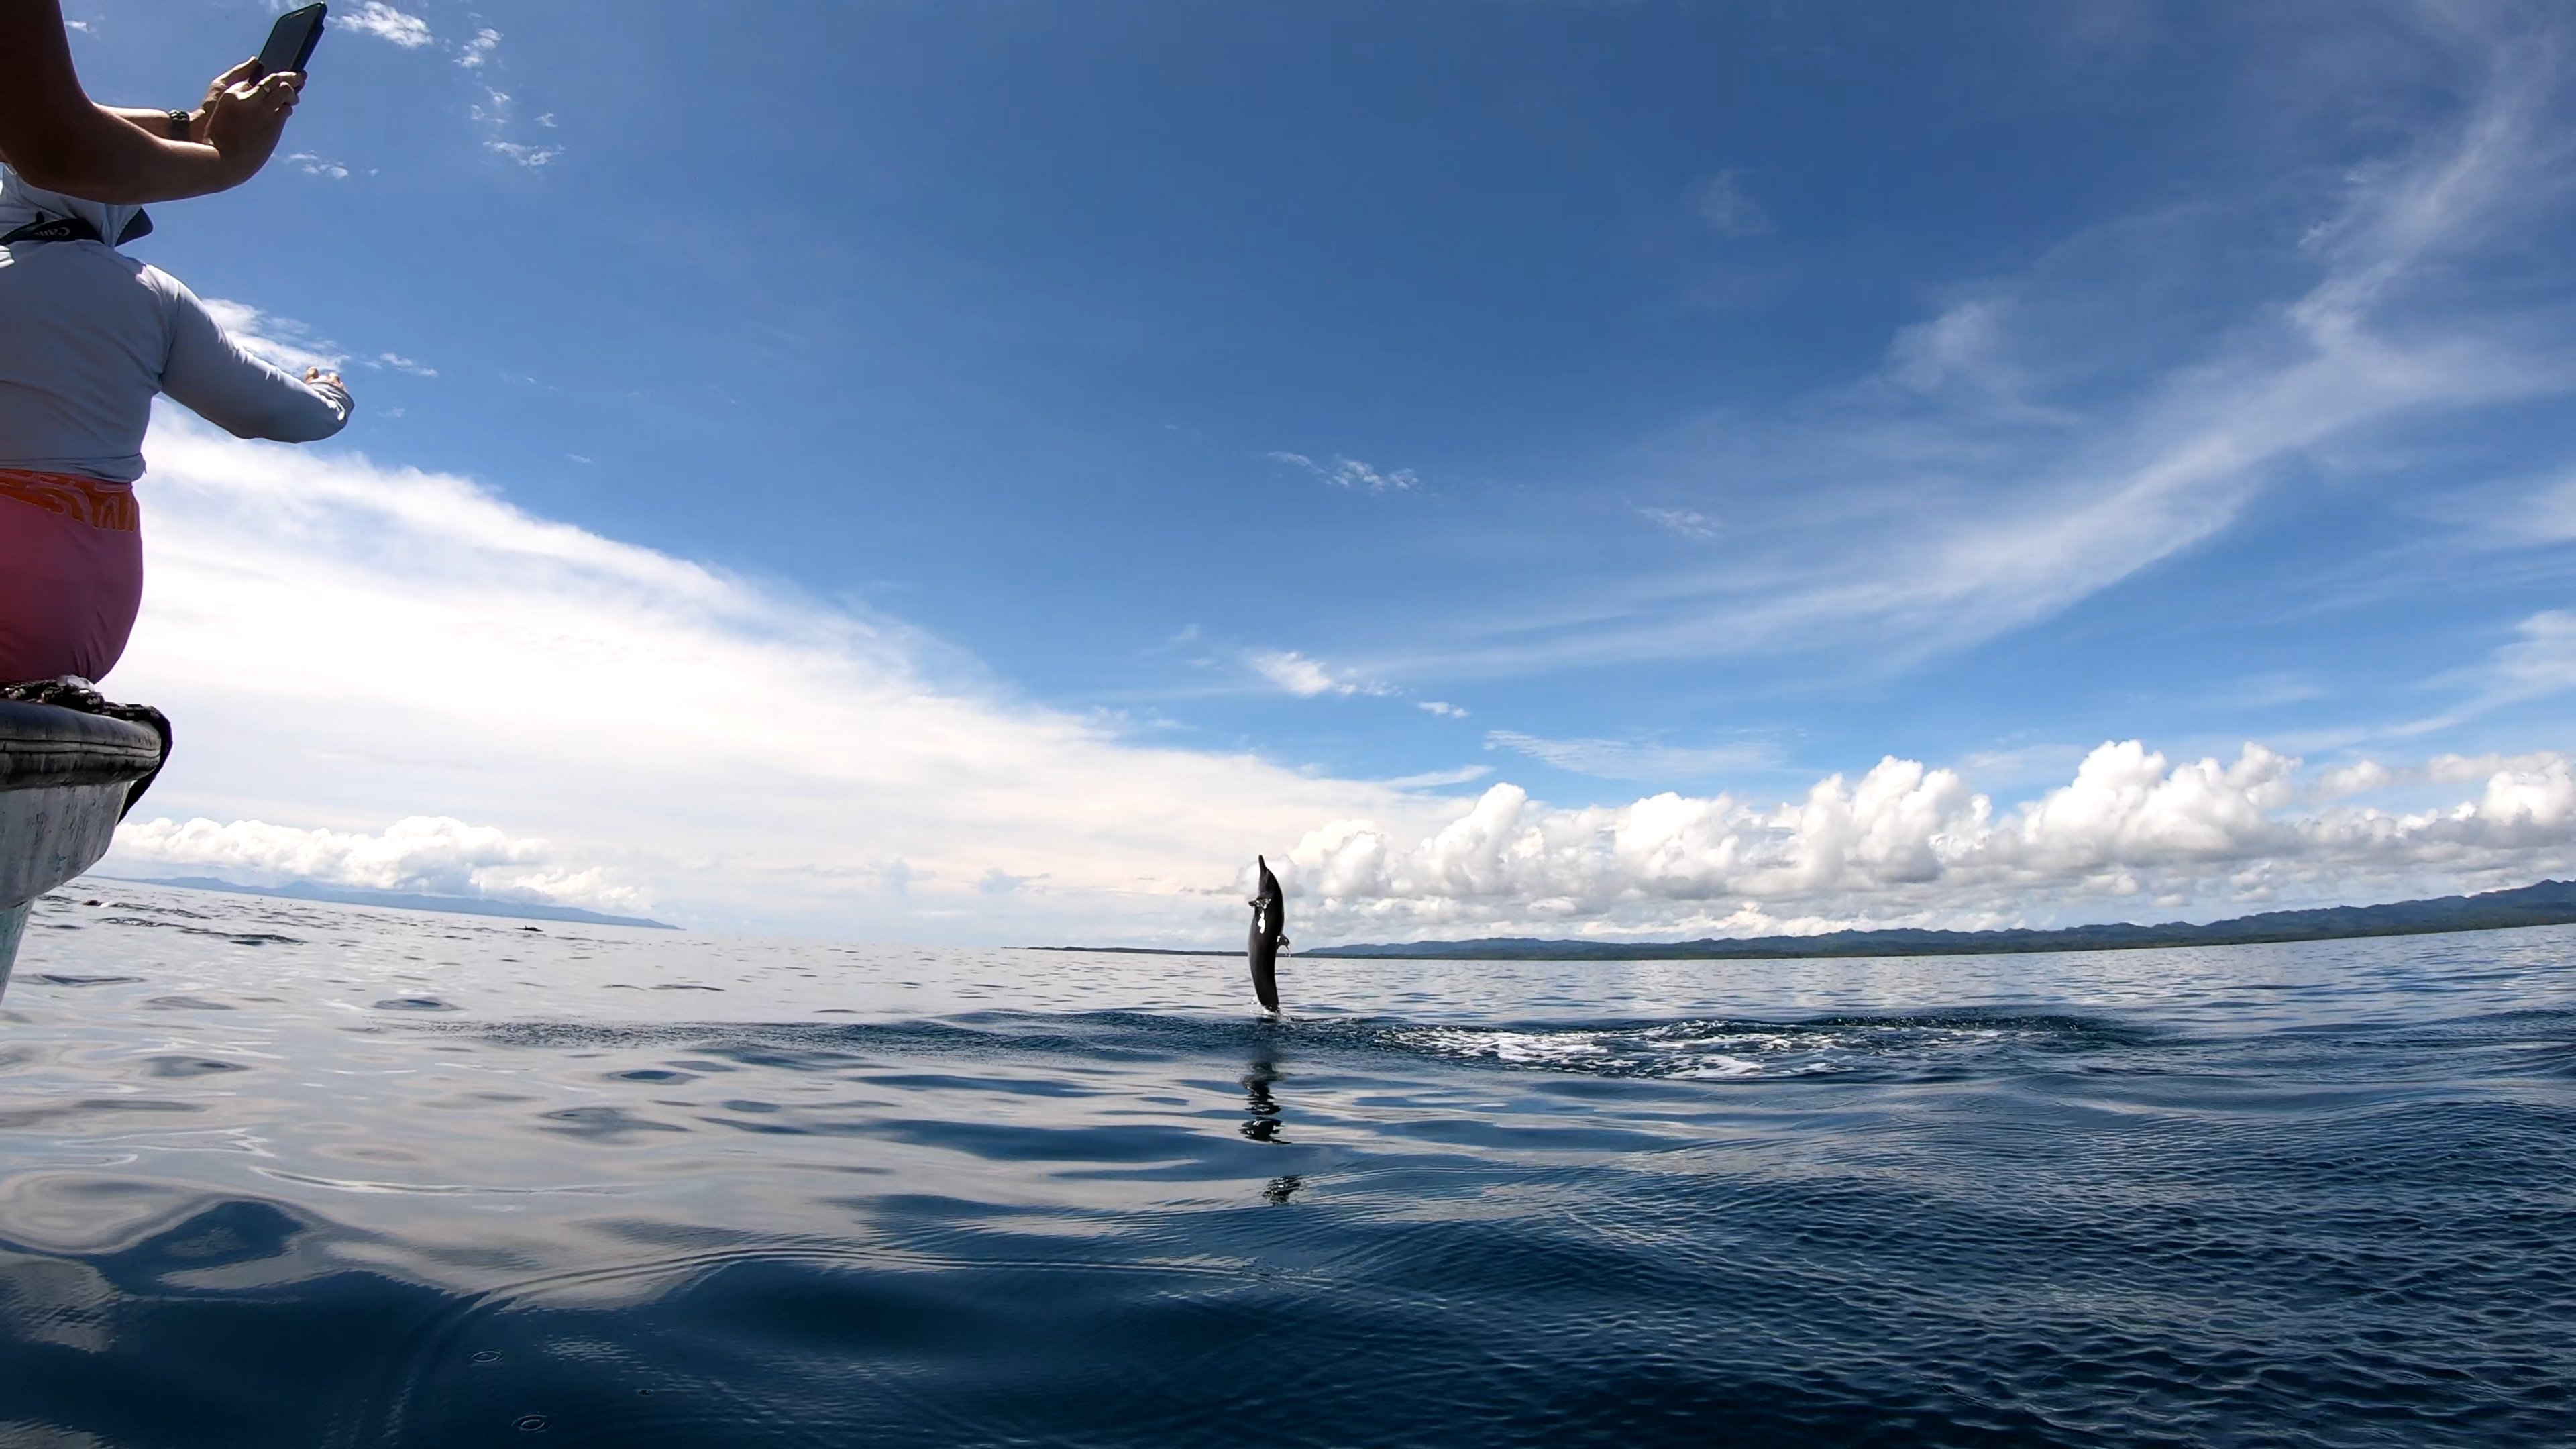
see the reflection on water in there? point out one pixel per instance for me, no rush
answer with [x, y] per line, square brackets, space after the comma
[1263, 1125]
[273, 1173]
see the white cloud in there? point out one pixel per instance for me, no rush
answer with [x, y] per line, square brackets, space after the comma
[1308, 678]
[384, 22]
[1689, 523]
[2360, 778]
[1724, 207]
[344, 643]
[2133, 832]
[1634, 759]
[493, 112]
[2549, 516]
[1440, 707]
[2455, 769]
[532, 157]
[314, 165]
[401, 363]
[422, 854]
[1963, 341]
[280, 340]
[1293, 672]
[2541, 662]
[2022, 763]
[1352, 473]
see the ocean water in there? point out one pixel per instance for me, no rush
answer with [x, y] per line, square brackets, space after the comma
[274, 1173]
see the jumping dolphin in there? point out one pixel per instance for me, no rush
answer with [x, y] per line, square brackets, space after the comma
[1269, 922]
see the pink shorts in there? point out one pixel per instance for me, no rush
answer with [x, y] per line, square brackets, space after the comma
[71, 574]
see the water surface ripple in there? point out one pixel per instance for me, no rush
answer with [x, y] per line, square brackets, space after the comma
[279, 1173]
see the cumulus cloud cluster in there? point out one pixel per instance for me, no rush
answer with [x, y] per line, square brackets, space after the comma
[431, 855]
[1909, 844]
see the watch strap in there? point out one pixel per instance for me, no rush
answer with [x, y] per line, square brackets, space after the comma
[178, 125]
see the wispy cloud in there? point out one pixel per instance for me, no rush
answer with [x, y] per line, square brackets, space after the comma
[1440, 707]
[2537, 663]
[384, 22]
[1636, 759]
[1432, 779]
[400, 363]
[495, 110]
[314, 165]
[281, 340]
[478, 55]
[534, 158]
[1723, 206]
[2542, 661]
[1352, 473]
[2041, 437]
[1688, 522]
[1306, 677]
[1964, 344]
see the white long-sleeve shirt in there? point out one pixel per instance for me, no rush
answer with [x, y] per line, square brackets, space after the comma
[89, 335]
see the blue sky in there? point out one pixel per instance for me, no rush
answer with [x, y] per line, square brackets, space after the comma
[1323, 414]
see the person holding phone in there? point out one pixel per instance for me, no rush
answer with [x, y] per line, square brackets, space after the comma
[57, 139]
[88, 337]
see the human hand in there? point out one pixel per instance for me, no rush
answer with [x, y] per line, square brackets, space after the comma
[319, 375]
[245, 118]
[241, 74]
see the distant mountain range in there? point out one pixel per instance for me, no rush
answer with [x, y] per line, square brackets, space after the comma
[2550, 903]
[451, 905]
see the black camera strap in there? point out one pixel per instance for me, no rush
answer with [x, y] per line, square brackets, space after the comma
[75, 229]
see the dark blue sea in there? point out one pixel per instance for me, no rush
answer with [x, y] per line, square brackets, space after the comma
[284, 1174]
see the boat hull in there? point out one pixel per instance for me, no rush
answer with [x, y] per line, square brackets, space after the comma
[65, 780]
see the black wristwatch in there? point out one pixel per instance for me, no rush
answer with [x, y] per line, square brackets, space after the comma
[178, 125]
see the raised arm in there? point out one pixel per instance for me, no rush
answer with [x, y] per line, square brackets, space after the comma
[59, 141]
[199, 122]
[210, 374]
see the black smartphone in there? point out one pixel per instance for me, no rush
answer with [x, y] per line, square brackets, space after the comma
[291, 40]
